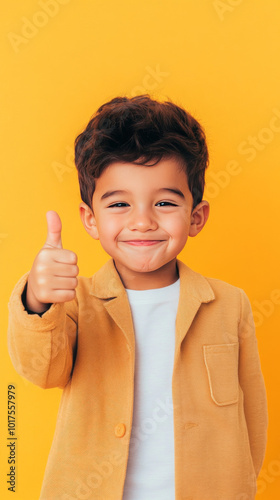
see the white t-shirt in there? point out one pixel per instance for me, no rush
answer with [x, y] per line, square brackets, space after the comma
[150, 471]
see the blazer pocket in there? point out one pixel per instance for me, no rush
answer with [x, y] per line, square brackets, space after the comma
[221, 362]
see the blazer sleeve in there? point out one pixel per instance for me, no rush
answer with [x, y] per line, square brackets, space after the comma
[252, 384]
[42, 348]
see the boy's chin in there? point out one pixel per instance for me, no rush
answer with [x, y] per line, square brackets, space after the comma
[141, 266]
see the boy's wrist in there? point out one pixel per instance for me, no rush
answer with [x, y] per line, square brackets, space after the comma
[31, 304]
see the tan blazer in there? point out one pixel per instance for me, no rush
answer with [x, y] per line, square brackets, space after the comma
[87, 347]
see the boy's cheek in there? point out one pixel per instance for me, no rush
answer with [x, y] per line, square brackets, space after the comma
[177, 229]
[108, 226]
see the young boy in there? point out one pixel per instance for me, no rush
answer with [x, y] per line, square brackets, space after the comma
[163, 394]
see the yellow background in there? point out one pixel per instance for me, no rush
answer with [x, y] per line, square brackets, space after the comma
[219, 60]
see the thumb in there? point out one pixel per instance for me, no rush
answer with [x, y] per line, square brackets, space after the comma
[54, 230]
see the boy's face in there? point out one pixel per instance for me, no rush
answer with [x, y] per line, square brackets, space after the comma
[143, 217]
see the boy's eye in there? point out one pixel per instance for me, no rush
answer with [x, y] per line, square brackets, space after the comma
[120, 204]
[166, 203]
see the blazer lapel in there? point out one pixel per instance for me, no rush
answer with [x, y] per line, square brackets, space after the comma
[107, 285]
[194, 290]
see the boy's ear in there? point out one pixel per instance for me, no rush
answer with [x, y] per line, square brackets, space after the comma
[88, 220]
[199, 217]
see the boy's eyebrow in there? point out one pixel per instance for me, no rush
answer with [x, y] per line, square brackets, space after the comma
[111, 193]
[173, 190]
[121, 191]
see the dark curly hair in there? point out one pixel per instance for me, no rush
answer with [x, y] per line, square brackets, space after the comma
[139, 130]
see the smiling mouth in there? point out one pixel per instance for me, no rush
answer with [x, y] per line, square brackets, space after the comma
[142, 242]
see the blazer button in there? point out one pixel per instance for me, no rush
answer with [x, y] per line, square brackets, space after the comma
[120, 430]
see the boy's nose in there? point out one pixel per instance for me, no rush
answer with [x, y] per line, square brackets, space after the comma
[142, 220]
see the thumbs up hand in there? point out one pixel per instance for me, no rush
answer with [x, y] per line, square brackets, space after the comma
[54, 230]
[53, 276]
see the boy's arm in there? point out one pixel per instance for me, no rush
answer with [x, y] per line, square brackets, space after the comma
[42, 348]
[252, 384]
